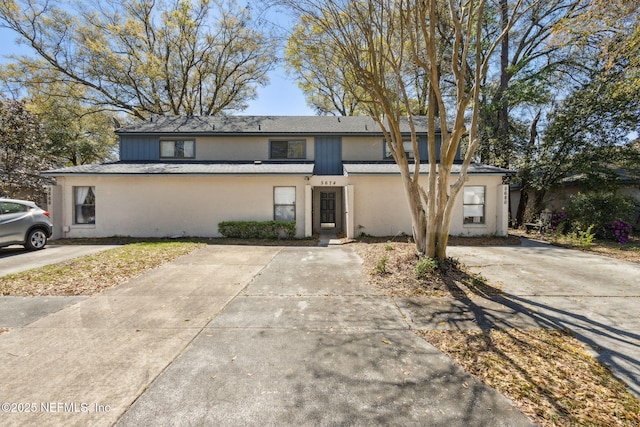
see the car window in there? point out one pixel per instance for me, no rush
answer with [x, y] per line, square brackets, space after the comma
[10, 207]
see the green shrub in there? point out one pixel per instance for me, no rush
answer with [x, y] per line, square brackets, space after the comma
[599, 209]
[381, 266]
[425, 267]
[583, 238]
[258, 229]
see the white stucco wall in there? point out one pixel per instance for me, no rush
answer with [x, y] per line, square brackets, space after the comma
[162, 206]
[358, 148]
[381, 207]
[178, 205]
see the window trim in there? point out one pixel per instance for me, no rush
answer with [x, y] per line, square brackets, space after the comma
[77, 205]
[288, 141]
[483, 218]
[276, 205]
[175, 142]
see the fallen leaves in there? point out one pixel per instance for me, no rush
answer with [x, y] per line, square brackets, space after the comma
[399, 278]
[548, 374]
[92, 274]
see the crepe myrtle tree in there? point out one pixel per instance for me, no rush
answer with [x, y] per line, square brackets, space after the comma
[381, 44]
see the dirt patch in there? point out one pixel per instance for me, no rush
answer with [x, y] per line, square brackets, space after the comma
[395, 269]
[390, 267]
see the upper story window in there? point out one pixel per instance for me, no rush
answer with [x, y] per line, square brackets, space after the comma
[287, 149]
[408, 148]
[180, 149]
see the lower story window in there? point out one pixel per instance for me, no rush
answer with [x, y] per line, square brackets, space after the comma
[474, 204]
[84, 199]
[284, 203]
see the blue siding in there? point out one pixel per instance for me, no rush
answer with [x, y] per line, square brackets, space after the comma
[133, 148]
[328, 156]
[424, 148]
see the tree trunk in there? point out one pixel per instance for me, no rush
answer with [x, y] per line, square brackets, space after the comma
[418, 218]
[526, 172]
[538, 200]
[504, 155]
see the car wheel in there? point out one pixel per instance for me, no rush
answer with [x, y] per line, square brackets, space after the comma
[36, 240]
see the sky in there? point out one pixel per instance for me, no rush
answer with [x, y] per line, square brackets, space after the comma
[281, 97]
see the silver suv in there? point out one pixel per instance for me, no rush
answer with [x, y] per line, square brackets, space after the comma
[23, 223]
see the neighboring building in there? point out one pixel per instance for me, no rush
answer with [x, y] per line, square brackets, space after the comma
[181, 176]
[558, 198]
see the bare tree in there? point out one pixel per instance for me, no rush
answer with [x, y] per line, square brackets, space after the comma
[383, 42]
[145, 57]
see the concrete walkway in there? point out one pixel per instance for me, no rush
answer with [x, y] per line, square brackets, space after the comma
[239, 336]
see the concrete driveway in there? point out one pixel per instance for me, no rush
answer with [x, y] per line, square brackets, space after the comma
[231, 336]
[595, 297]
[292, 336]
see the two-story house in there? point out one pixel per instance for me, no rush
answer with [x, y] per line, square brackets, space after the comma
[181, 176]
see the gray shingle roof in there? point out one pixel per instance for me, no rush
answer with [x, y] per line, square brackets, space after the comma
[263, 125]
[191, 168]
[388, 168]
[250, 168]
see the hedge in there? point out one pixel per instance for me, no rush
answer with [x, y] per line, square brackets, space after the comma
[258, 229]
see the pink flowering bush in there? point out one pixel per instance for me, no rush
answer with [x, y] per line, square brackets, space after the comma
[610, 214]
[620, 231]
[559, 222]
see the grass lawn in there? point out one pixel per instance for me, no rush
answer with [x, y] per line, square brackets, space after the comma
[91, 274]
[548, 374]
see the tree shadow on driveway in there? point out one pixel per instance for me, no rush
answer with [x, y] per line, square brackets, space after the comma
[609, 331]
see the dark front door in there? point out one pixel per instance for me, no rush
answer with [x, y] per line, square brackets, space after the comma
[327, 209]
